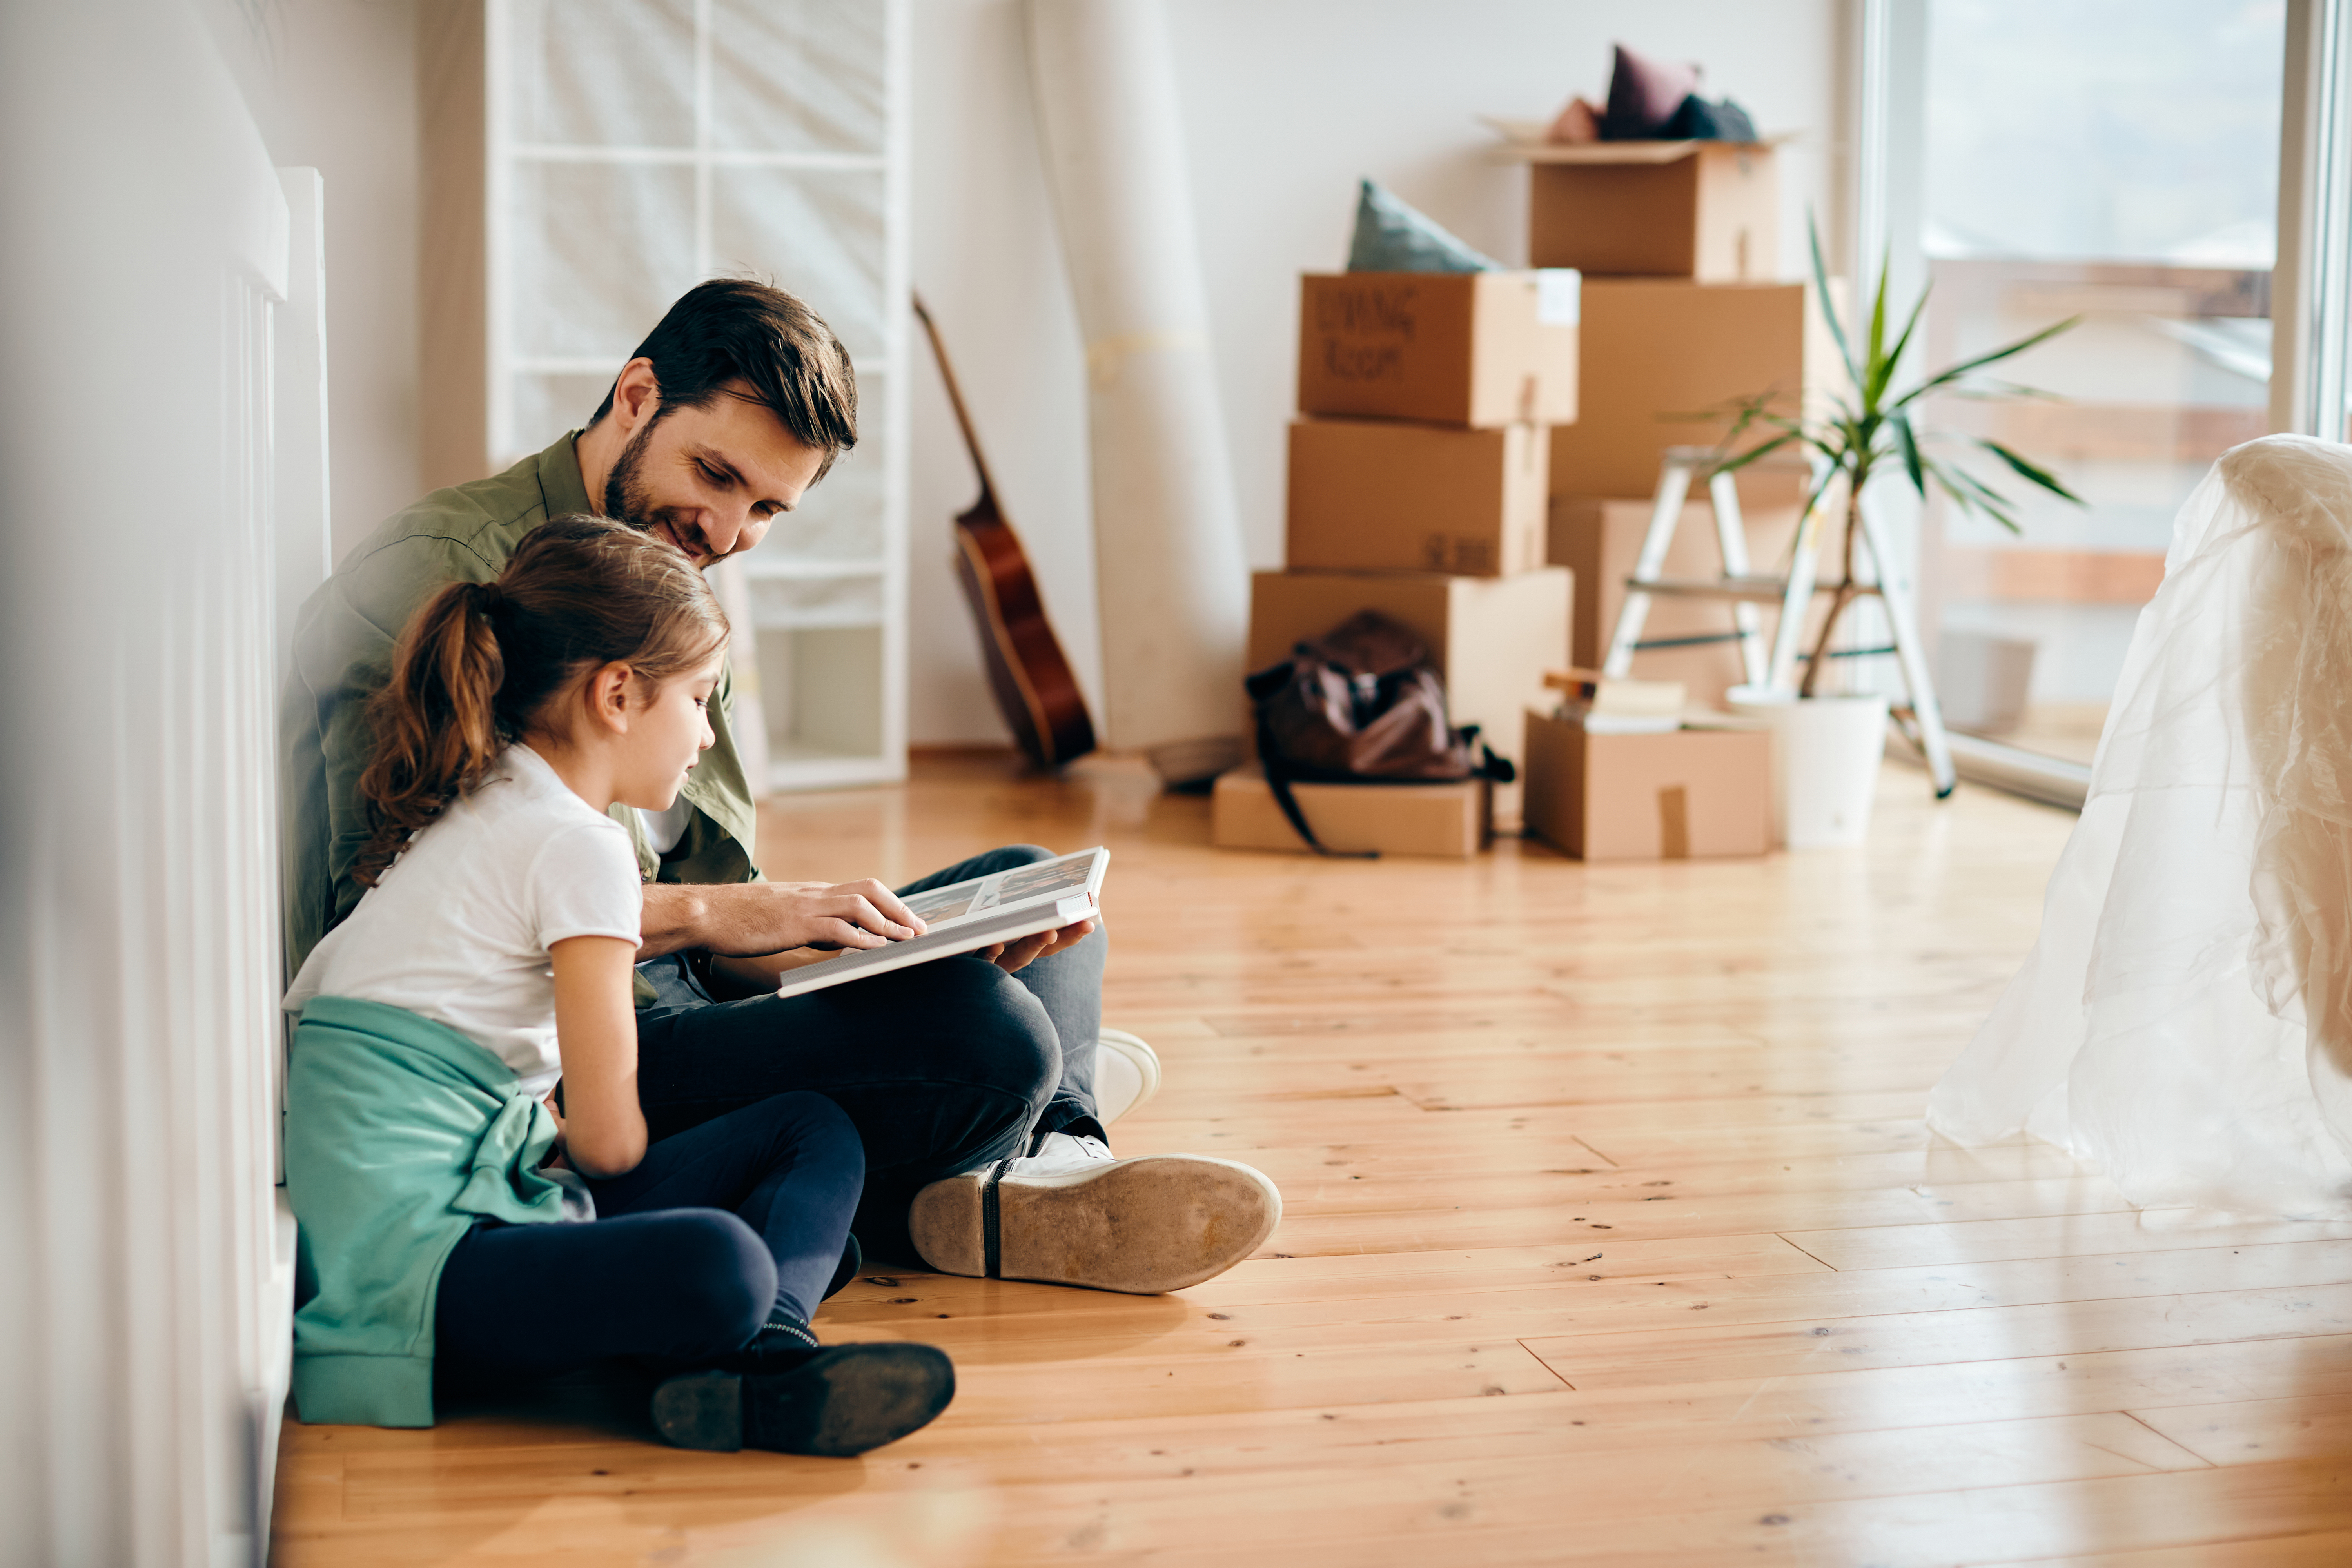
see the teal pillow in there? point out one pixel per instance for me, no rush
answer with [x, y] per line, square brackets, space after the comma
[1391, 236]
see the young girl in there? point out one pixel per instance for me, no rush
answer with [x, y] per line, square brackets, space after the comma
[442, 1200]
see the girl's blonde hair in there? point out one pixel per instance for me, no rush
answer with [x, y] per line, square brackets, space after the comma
[480, 662]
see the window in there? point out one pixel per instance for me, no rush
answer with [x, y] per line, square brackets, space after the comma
[2116, 160]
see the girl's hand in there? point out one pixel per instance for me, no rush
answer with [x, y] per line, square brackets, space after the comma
[555, 1160]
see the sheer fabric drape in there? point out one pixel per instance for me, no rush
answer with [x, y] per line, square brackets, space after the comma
[2185, 1020]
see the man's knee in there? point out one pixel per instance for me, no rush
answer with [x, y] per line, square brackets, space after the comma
[1007, 1040]
[1011, 856]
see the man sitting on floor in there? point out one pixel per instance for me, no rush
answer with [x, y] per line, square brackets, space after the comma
[976, 1083]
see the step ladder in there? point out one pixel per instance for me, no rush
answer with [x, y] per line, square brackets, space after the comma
[1921, 719]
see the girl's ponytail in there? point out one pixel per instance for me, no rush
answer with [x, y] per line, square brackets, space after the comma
[480, 662]
[436, 724]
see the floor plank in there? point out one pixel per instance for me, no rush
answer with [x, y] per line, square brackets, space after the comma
[2303, 1426]
[1712, 1350]
[1613, 1234]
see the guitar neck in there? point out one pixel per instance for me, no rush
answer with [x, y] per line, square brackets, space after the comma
[955, 396]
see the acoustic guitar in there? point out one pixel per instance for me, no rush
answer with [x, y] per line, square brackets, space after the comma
[1032, 679]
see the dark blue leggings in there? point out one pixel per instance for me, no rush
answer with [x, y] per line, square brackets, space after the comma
[687, 1254]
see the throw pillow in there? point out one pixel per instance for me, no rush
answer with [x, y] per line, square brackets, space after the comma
[1644, 95]
[1699, 120]
[1392, 236]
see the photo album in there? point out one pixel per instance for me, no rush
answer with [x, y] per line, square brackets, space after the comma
[1001, 907]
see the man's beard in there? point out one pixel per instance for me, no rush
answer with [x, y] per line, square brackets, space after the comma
[627, 501]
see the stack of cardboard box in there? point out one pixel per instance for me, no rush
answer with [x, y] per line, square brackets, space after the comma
[1418, 488]
[1675, 241]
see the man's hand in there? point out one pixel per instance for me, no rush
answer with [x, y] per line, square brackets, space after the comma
[1013, 957]
[748, 918]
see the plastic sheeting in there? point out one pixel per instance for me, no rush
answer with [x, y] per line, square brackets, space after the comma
[2186, 1018]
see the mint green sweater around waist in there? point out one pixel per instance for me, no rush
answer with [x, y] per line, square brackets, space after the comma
[401, 1134]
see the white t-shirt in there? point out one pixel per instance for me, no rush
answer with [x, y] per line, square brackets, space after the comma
[457, 930]
[664, 828]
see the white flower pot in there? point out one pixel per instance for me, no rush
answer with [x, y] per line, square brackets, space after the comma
[1826, 752]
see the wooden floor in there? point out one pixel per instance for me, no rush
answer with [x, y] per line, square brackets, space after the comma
[1611, 1234]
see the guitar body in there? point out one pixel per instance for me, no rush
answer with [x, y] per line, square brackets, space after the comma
[1027, 670]
[1035, 688]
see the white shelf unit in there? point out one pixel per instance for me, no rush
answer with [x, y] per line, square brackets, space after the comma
[635, 147]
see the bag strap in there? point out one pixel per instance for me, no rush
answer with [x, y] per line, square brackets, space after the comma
[1489, 766]
[1277, 779]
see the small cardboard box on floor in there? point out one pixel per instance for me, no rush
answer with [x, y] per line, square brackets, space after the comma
[1491, 638]
[1708, 211]
[1479, 348]
[1655, 351]
[1687, 794]
[1600, 539]
[1452, 821]
[1380, 495]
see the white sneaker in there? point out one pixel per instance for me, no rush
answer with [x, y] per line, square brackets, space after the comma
[1127, 1073]
[1060, 1153]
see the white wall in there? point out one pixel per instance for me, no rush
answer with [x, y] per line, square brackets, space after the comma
[332, 84]
[1288, 103]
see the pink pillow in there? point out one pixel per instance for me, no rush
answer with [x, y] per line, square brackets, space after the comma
[1643, 94]
[1577, 124]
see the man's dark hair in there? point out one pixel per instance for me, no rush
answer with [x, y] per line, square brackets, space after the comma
[737, 329]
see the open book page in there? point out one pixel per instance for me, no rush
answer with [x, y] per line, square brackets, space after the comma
[1003, 889]
[964, 917]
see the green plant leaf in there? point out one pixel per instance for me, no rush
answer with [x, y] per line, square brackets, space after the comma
[1953, 372]
[1903, 343]
[1822, 283]
[1875, 370]
[1839, 455]
[1907, 444]
[2003, 391]
[1813, 498]
[1732, 465]
[1972, 495]
[2034, 472]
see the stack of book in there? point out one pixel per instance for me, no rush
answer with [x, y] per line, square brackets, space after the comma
[1603, 706]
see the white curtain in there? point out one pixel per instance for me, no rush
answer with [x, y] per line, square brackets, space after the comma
[2186, 1018]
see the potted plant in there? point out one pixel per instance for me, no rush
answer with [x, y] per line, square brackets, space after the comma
[1828, 745]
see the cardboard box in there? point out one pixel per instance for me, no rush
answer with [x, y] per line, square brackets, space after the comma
[1492, 639]
[1653, 349]
[1379, 495]
[1689, 795]
[1708, 211]
[1452, 348]
[1449, 820]
[1600, 539]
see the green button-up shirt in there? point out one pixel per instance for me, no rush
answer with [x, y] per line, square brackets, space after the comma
[342, 655]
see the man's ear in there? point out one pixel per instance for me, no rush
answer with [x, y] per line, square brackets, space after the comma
[636, 395]
[608, 698]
